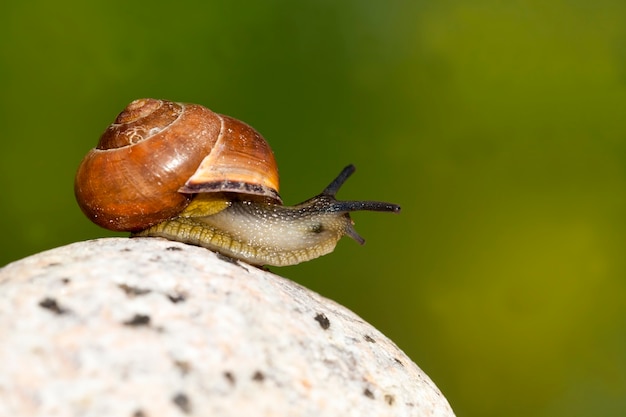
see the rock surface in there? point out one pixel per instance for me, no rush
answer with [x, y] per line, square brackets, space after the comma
[148, 327]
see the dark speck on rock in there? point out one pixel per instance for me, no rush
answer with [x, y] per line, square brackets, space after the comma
[258, 376]
[183, 366]
[177, 297]
[322, 320]
[229, 377]
[133, 291]
[183, 402]
[227, 258]
[52, 305]
[138, 320]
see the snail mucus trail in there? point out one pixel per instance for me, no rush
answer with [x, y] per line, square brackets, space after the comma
[225, 200]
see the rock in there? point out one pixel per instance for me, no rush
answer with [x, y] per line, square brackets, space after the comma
[149, 327]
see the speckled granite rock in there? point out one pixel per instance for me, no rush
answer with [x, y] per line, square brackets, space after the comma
[148, 327]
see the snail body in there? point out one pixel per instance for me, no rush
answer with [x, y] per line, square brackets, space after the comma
[182, 172]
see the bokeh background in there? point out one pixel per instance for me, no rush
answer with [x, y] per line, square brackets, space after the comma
[497, 125]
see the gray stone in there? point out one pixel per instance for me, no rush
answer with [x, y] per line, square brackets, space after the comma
[149, 327]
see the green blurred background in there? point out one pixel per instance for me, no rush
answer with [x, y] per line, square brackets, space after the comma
[498, 126]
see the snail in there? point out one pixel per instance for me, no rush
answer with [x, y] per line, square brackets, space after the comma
[182, 172]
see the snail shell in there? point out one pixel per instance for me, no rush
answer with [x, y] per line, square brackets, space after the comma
[157, 154]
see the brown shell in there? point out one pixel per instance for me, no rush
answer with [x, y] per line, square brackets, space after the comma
[157, 153]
